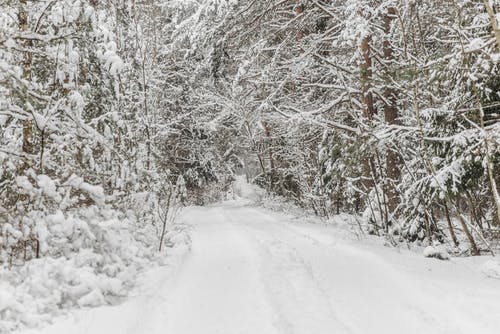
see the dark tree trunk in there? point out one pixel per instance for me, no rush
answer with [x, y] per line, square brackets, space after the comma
[390, 113]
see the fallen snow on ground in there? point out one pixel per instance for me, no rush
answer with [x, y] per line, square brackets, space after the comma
[251, 270]
[491, 269]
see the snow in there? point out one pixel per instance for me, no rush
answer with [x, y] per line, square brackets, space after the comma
[93, 298]
[252, 270]
[94, 191]
[100, 266]
[48, 187]
[436, 252]
[77, 100]
[491, 269]
[474, 45]
[24, 183]
[7, 300]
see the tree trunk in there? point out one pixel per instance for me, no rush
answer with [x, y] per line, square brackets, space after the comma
[299, 9]
[272, 171]
[366, 78]
[390, 114]
[28, 137]
[367, 106]
[450, 225]
[493, 22]
[489, 165]
[474, 249]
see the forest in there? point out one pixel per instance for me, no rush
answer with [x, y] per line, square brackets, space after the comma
[117, 114]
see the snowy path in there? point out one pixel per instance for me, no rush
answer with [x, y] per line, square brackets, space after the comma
[253, 271]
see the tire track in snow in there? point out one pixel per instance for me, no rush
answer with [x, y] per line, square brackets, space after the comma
[218, 291]
[364, 283]
[296, 296]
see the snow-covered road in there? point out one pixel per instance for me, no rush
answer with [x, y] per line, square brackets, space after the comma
[257, 272]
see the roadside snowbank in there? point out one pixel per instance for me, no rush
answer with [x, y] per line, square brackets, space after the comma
[97, 262]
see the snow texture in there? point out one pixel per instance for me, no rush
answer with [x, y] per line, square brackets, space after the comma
[436, 252]
[491, 269]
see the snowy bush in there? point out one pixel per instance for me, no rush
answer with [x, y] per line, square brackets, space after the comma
[436, 252]
[91, 258]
